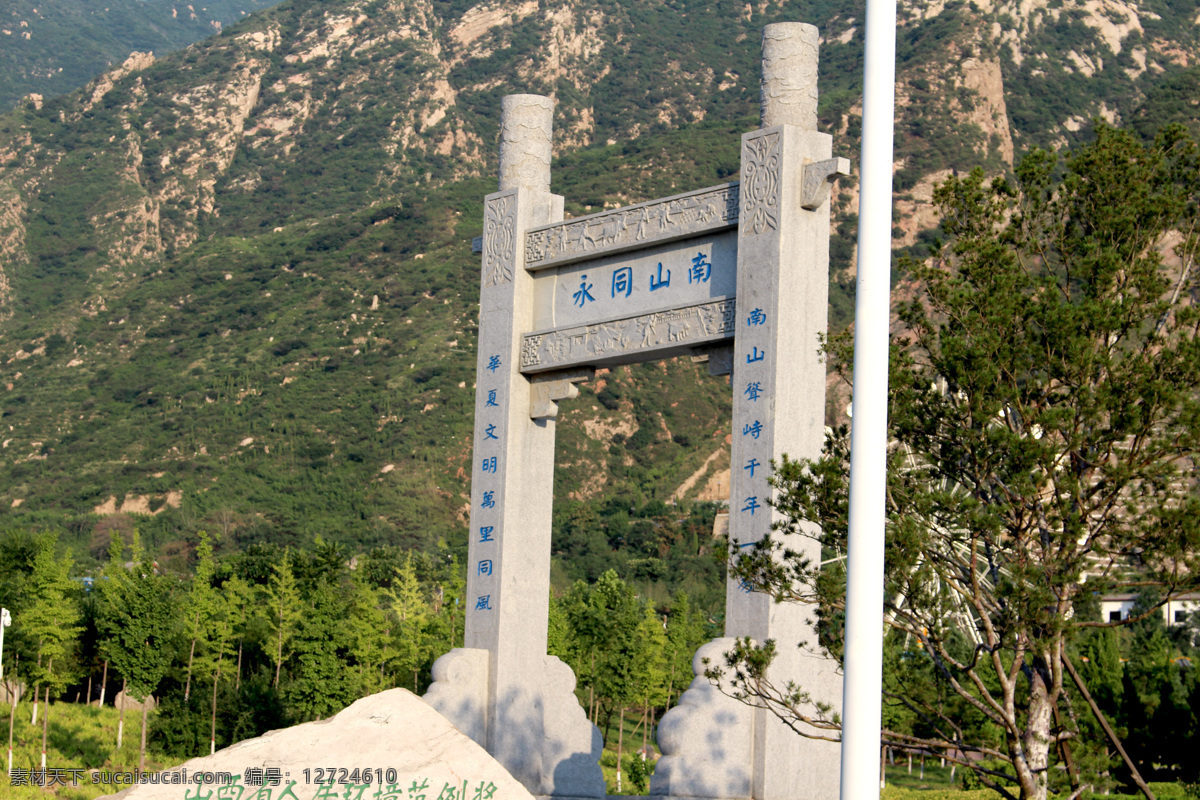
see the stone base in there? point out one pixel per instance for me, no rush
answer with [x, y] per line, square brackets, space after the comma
[568, 766]
[706, 740]
[717, 748]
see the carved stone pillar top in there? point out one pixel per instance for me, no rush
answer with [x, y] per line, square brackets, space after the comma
[525, 129]
[789, 75]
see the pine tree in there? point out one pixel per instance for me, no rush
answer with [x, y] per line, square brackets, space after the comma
[218, 637]
[367, 626]
[52, 621]
[407, 607]
[202, 603]
[285, 610]
[241, 607]
[1044, 409]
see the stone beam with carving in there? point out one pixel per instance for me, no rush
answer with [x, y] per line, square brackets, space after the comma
[633, 227]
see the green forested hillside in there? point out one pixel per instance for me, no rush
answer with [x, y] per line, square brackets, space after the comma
[237, 287]
[52, 48]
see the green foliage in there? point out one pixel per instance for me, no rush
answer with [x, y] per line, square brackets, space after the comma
[284, 611]
[137, 624]
[638, 773]
[70, 43]
[51, 619]
[319, 683]
[409, 610]
[1043, 407]
[624, 652]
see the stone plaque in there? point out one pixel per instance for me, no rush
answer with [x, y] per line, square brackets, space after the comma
[694, 271]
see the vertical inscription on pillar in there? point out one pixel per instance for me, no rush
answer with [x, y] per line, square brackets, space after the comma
[760, 183]
[499, 224]
[486, 516]
[753, 384]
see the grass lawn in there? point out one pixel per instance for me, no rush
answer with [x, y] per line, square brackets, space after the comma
[78, 737]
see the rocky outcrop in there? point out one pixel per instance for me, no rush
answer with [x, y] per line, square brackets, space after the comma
[393, 735]
[989, 111]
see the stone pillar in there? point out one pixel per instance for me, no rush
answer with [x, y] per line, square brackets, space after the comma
[778, 385]
[789, 75]
[523, 713]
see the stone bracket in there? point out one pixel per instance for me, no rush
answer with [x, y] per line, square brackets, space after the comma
[547, 390]
[719, 359]
[818, 177]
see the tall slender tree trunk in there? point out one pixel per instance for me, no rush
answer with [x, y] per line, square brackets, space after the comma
[279, 653]
[592, 689]
[12, 723]
[45, 727]
[1032, 764]
[142, 746]
[212, 737]
[620, 745]
[89, 691]
[645, 725]
[187, 686]
[36, 689]
[651, 727]
[121, 716]
[104, 683]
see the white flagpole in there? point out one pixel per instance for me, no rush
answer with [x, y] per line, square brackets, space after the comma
[861, 701]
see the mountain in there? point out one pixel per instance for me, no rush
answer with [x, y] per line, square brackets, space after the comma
[53, 48]
[236, 280]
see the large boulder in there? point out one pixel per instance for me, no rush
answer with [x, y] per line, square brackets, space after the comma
[394, 730]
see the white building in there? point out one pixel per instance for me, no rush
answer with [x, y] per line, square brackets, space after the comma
[1116, 607]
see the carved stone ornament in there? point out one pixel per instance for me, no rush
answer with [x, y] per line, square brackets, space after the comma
[499, 239]
[631, 337]
[818, 177]
[633, 226]
[760, 183]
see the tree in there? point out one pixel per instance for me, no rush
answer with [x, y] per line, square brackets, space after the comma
[202, 603]
[604, 620]
[283, 600]
[52, 621]
[218, 633]
[321, 683]
[137, 623]
[686, 631]
[367, 628]
[406, 605]
[1045, 415]
[240, 605]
